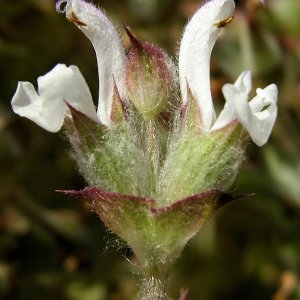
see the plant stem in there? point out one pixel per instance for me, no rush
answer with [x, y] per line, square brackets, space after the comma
[153, 289]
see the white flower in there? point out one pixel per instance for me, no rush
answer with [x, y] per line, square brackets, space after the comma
[195, 50]
[47, 106]
[257, 116]
[197, 42]
[108, 46]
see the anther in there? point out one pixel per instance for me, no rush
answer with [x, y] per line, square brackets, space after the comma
[223, 23]
[74, 19]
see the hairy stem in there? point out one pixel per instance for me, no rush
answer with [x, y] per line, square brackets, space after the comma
[153, 289]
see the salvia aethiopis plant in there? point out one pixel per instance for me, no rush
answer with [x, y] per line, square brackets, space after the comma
[156, 158]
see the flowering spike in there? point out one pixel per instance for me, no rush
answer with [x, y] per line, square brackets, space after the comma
[163, 168]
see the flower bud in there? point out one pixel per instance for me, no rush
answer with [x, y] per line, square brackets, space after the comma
[148, 78]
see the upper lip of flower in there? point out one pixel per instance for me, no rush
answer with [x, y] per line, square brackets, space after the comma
[194, 64]
[111, 58]
[196, 45]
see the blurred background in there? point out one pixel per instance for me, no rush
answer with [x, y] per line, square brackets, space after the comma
[53, 247]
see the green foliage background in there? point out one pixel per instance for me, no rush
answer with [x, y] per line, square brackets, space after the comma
[54, 247]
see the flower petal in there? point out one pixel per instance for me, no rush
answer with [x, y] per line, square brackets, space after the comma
[225, 117]
[27, 103]
[79, 96]
[47, 107]
[243, 84]
[238, 102]
[108, 46]
[257, 116]
[195, 50]
[263, 119]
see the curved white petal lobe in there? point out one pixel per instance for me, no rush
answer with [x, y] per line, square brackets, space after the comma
[243, 84]
[226, 116]
[46, 107]
[108, 46]
[197, 42]
[79, 96]
[264, 113]
[257, 116]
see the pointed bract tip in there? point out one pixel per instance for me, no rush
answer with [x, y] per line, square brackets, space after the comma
[79, 114]
[226, 198]
[119, 111]
[133, 39]
[69, 192]
[190, 114]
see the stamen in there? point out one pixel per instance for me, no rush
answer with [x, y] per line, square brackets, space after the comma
[74, 19]
[61, 6]
[223, 23]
